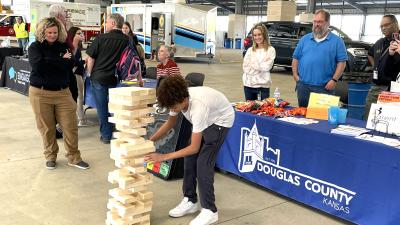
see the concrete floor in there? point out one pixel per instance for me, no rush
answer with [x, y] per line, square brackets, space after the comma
[31, 194]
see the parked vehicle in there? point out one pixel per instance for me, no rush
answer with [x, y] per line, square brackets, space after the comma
[7, 24]
[284, 36]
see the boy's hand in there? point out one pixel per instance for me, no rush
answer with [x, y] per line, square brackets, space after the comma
[154, 157]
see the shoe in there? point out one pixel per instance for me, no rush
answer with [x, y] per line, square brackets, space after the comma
[85, 123]
[81, 165]
[184, 208]
[105, 141]
[205, 217]
[59, 133]
[51, 165]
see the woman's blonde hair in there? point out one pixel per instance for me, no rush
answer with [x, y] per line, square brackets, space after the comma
[47, 23]
[264, 33]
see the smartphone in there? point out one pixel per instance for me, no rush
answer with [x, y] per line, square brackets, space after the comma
[395, 36]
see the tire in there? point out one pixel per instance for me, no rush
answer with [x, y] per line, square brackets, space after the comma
[289, 69]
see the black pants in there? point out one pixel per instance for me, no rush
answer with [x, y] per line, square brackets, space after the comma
[201, 167]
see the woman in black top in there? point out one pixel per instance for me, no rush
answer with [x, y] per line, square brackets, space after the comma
[75, 37]
[51, 61]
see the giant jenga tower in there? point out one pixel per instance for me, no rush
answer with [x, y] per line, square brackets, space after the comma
[131, 201]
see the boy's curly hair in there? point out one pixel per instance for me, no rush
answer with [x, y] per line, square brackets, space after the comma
[172, 91]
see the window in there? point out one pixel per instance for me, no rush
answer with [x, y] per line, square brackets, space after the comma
[7, 21]
[286, 31]
[339, 33]
[304, 30]
[272, 29]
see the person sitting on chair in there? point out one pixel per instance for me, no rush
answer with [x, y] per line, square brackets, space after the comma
[167, 67]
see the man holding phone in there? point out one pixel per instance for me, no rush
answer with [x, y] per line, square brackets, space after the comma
[384, 60]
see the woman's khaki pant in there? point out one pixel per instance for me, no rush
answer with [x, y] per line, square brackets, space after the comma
[52, 106]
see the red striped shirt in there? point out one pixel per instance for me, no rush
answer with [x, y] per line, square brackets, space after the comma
[168, 70]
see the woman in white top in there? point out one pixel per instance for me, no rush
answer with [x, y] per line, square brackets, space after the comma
[257, 64]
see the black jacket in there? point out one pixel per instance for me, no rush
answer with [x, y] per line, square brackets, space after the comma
[49, 68]
[388, 66]
[106, 49]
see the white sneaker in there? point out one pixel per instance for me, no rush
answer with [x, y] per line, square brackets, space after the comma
[205, 217]
[184, 208]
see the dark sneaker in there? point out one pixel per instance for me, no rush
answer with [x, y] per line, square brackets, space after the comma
[81, 165]
[51, 165]
[59, 133]
[105, 141]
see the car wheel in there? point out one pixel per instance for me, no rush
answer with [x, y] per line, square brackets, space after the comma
[289, 69]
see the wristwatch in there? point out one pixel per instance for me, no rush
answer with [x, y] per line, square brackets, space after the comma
[334, 80]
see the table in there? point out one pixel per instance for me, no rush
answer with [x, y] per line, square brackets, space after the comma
[349, 178]
[89, 100]
[9, 52]
[15, 75]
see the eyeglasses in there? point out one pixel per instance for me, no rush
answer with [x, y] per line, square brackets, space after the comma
[79, 33]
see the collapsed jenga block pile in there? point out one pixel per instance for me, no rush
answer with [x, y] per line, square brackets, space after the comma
[131, 202]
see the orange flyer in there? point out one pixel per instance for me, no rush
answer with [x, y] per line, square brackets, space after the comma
[389, 97]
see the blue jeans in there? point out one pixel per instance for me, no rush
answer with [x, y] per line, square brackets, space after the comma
[100, 94]
[22, 42]
[252, 93]
[304, 90]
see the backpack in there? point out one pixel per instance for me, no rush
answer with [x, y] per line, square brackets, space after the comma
[129, 66]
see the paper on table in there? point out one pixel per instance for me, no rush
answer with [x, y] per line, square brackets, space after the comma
[349, 130]
[384, 140]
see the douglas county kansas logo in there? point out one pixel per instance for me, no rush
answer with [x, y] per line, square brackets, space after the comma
[11, 73]
[256, 155]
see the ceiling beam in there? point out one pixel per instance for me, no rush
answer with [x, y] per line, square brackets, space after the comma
[357, 6]
[221, 5]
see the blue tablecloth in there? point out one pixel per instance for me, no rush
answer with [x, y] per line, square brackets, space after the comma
[89, 100]
[349, 178]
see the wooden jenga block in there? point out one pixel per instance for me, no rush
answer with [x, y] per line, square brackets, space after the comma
[135, 170]
[137, 130]
[145, 195]
[123, 161]
[140, 131]
[127, 196]
[119, 153]
[132, 91]
[140, 219]
[146, 120]
[129, 180]
[122, 196]
[138, 189]
[126, 122]
[129, 149]
[128, 140]
[115, 107]
[132, 113]
[131, 98]
[138, 103]
[120, 135]
[130, 209]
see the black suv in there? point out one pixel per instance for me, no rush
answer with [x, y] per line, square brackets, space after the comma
[284, 37]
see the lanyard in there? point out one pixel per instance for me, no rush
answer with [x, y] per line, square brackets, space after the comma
[382, 55]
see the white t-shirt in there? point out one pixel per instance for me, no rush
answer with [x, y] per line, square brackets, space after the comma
[206, 107]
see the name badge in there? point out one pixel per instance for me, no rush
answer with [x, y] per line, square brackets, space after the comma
[375, 76]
